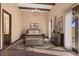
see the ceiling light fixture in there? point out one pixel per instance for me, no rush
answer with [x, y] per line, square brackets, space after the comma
[35, 12]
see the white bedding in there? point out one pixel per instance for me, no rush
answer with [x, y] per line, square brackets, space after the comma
[34, 32]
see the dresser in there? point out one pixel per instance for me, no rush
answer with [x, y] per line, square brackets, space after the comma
[57, 39]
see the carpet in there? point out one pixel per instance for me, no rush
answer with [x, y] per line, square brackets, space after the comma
[22, 52]
[47, 49]
[19, 49]
[46, 46]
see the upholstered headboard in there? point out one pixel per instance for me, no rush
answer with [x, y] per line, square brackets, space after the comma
[34, 29]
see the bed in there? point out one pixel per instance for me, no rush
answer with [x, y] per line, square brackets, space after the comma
[34, 36]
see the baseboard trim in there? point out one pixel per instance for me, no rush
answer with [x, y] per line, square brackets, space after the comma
[67, 49]
[46, 37]
[10, 44]
[75, 50]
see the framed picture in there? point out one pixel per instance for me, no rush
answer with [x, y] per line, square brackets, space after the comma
[55, 23]
[34, 25]
[58, 23]
[61, 23]
[31, 25]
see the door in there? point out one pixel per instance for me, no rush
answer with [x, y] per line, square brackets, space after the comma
[75, 28]
[6, 28]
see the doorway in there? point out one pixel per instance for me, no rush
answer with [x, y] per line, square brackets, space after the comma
[6, 28]
[75, 28]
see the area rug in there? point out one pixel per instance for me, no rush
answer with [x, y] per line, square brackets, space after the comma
[47, 49]
[19, 49]
[46, 46]
[22, 52]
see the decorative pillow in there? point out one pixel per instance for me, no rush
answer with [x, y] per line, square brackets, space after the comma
[36, 32]
[30, 32]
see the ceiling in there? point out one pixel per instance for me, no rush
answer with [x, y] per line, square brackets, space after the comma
[39, 6]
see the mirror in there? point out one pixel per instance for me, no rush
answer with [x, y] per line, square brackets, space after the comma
[6, 23]
[6, 27]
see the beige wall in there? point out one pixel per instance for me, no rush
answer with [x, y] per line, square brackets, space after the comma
[27, 18]
[42, 19]
[58, 10]
[16, 19]
[19, 24]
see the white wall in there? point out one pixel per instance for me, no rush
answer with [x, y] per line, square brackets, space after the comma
[68, 30]
[49, 29]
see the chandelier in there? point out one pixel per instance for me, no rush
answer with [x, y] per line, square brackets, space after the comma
[35, 12]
